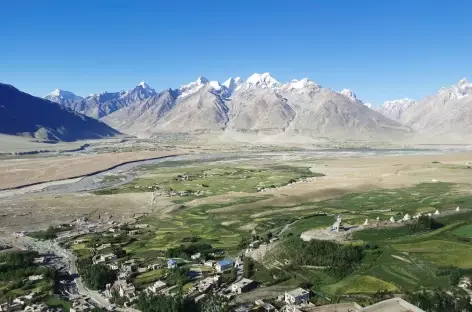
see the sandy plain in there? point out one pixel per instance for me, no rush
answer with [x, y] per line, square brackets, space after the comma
[342, 176]
[24, 171]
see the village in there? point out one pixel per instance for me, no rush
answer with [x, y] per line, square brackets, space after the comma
[207, 273]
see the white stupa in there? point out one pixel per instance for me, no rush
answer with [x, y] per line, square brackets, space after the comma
[406, 217]
[436, 212]
[458, 209]
[429, 214]
[366, 222]
[392, 219]
[378, 218]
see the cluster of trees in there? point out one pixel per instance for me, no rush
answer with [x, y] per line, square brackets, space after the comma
[340, 259]
[246, 240]
[439, 301]
[162, 303]
[98, 240]
[50, 233]
[186, 251]
[17, 260]
[229, 276]
[15, 267]
[424, 223]
[453, 273]
[178, 276]
[95, 276]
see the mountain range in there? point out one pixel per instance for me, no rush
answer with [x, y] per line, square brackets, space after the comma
[259, 105]
[445, 116]
[103, 103]
[26, 115]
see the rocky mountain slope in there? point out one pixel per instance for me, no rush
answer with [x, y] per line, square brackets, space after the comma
[101, 104]
[260, 105]
[395, 109]
[26, 115]
[445, 115]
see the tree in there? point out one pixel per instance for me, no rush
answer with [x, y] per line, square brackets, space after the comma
[162, 303]
[269, 236]
[98, 276]
[244, 242]
[248, 267]
[214, 303]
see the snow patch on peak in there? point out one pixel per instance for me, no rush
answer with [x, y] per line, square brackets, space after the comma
[463, 81]
[300, 84]
[59, 95]
[215, 85]
[395, 109]
[264, 80]
[349, 94]
[232, 85]
[368, 105]
[202, 80]
[144, 85]
[56, 92]
[461, 89]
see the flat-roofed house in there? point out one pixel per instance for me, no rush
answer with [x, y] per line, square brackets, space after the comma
[297, 296]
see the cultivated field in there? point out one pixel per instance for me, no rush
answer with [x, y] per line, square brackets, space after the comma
[224, 202]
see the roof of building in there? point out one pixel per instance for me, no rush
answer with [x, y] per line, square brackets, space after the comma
[243, 282]
[159, 284]
[171, 261]
[392, 305]
[298, 292]
[225, 262]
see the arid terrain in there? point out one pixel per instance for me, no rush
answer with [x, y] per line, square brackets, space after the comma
[343, 174]
[18, 172]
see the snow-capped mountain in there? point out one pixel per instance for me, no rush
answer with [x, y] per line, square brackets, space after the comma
[396, 108]
[260, 105]
[349, 94]
[263, 81]
[231, 85]
[448, 113]
[60, 96]
[104, 103]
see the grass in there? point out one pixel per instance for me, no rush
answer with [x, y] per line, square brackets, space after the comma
[403, 261]
[464, 231]
[444, 253]
[149, 277]
[360, 284]
[211, 179]
[54, 302]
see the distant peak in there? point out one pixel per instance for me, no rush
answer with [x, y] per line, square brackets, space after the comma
[232, 82]
[56, 92]
[202, 80]
[264, 80]
[302, 83]
[144, 85]
[463, 81]
[349, 94]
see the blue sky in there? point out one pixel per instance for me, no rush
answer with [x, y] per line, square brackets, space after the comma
[381, 50]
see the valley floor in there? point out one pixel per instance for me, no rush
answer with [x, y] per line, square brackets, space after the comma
[225, 200]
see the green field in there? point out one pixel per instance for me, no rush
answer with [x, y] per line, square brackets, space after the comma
[211, 180]
[402, 260]
[464, 231]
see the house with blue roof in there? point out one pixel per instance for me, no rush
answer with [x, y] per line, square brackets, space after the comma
[223, 265]
[171, 264]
